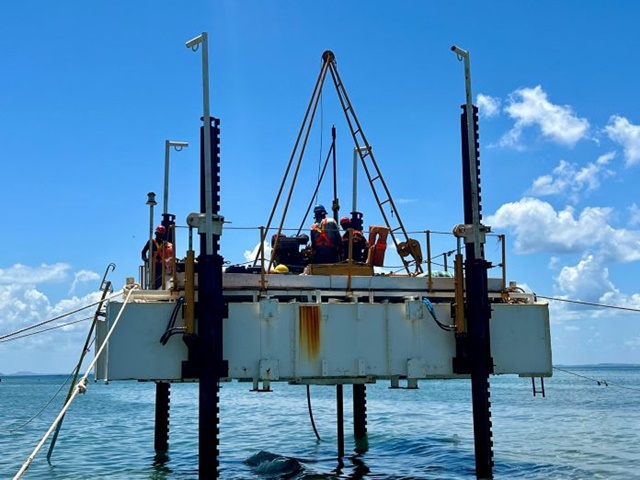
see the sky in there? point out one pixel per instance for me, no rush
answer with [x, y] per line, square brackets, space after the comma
[89, 92]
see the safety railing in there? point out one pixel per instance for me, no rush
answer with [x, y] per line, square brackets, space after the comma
[441, 249]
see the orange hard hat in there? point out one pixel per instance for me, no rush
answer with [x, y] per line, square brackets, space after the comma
[161, 230]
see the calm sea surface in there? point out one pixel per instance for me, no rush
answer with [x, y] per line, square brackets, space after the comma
[581, 430]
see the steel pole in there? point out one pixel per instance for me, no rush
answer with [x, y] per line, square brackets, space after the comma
[165, 204]
[340, 420]
[206, 121]
[473, 349]
[473, 161]
[151, 201]
[355, 180]
[210, 313]
[210, 308]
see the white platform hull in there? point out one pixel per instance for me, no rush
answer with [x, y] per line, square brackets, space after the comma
[311, 329]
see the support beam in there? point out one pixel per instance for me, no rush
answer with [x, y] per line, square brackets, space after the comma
[161, 436]
[210, 312]
[359, 411]
[340, 420]
[474, 347]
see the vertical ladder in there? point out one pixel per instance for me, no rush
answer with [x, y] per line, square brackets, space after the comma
[537, 390]
[378, 185]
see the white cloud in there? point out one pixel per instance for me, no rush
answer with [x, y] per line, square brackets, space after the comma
[53, 351]
[488, 106]
[531, 107]
[567, 179]
[553, 263]
[22, 303]
[22, 306]
[251, 255]
[615, 297]
[620, 245]
[634, 215]
[621, 131]
[25, 275]
[82, 276]
[539, 228]
[588, 280]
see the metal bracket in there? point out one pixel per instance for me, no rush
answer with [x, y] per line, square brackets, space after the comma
[198, 220]
[269, 371]
[465, 231]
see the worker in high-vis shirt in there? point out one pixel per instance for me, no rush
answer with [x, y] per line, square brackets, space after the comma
[162, 254]
[359, 244]
[326, 243]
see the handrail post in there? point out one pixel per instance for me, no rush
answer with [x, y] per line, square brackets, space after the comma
[263, 282]
[173, 260]
[151, 201]
[504, 260]
[429, 277]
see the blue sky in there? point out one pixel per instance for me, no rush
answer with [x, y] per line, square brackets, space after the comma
[90, 92]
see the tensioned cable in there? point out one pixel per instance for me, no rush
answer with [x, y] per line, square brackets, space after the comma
[46, 329]
[85, 349]
[39, 324]
[599, 382]
[13, 430]
[81, 387]
[591, 304]
[321, 140]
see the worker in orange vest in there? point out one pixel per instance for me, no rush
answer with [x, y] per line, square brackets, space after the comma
[326, 243]
[162, 253]
[360, 246]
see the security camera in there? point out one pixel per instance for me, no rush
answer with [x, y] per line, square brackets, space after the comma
[173, 143]
[194, 41]
[459, 51]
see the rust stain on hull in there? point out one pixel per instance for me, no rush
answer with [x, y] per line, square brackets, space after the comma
[309, 331]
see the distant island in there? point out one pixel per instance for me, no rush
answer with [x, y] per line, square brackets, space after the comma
[20, 374]
[27, 373]
[583, 365]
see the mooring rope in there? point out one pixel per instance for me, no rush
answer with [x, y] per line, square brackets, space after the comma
[606, 383]
[81, 386]
[7, 335]
[60, 325]
[14, 430]
[590, 304]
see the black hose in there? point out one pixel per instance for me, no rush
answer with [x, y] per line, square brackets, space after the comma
[171, 329]
[446, 328]
[313, 424]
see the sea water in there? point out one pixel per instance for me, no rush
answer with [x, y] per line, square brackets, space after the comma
[580, 430]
